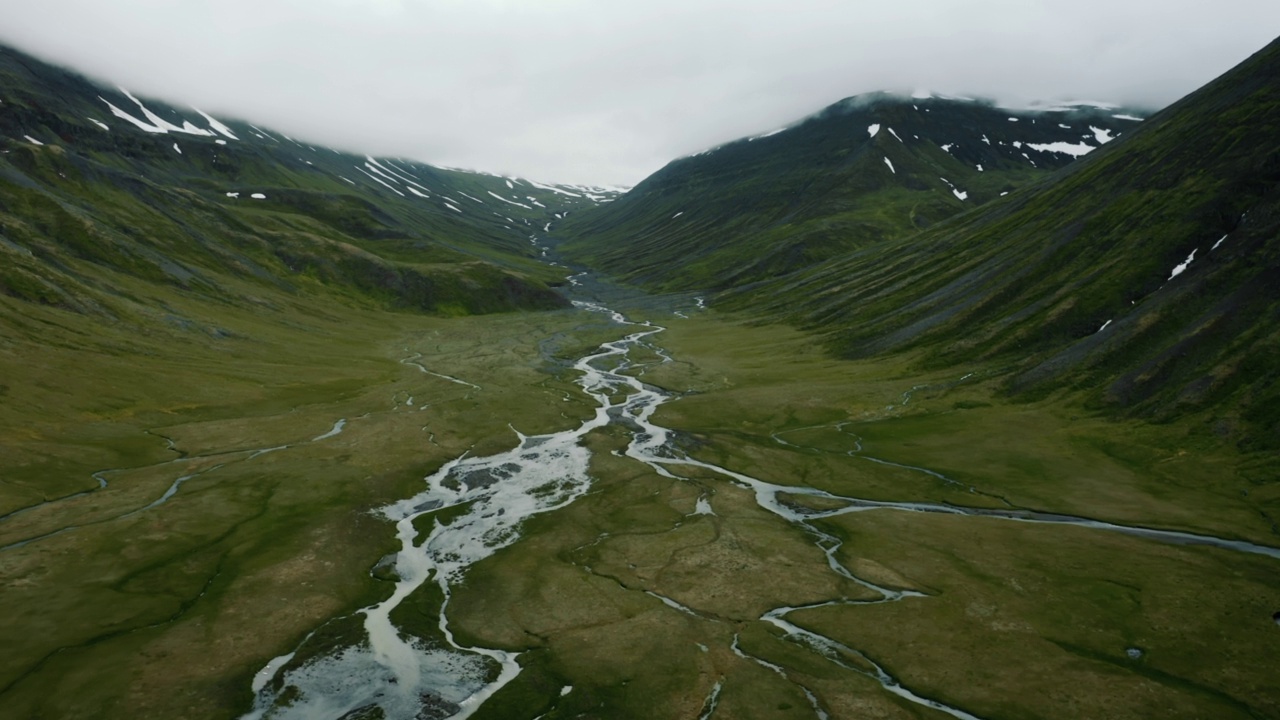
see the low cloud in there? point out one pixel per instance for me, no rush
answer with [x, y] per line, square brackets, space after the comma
[579, 91]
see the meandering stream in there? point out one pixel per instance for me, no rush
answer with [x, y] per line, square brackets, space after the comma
[491, 496]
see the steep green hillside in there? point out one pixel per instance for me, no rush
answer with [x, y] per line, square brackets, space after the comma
[220, 350]
[868, 169]
[1144, 274]
[93, 179]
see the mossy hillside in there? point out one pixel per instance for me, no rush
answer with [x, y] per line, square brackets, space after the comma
[272, 246]
[755, 209]
[1030, 280]
[186, 209]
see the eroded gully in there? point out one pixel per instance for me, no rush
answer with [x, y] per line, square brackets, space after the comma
[493, 495]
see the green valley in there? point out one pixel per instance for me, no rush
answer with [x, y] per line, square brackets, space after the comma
[910, 410]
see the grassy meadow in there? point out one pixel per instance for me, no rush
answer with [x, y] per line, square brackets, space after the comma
[1020, 620]
[627, 598]
[113, 610]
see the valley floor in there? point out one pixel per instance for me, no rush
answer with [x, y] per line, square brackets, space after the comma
[179, 509]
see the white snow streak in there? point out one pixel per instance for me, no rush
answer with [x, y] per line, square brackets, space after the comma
[165, 125]
[213, 123]
[1074, 150]
[1181, 267]
[512, 202]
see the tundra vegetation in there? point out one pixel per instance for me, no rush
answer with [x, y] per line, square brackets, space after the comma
[932, 511]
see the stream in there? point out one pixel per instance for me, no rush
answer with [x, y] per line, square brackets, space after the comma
[491, 496]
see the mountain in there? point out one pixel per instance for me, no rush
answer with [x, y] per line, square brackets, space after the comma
[1143, 274]
[96, 184]
[865, 170]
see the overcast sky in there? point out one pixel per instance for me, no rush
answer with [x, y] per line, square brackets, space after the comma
[607, 91]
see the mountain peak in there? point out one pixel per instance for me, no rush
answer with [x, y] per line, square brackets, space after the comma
[863, 169]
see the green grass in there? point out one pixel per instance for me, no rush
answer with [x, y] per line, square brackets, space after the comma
[170, 611]
[192, 597]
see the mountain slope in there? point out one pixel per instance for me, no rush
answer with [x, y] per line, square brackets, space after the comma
[95, 180]
[867, 169]
[1143, 274]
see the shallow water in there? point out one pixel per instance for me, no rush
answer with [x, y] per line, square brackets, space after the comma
[408, 678]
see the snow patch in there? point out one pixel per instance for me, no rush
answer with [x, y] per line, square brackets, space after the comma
[512, 202]
[554, 189]
[213, 123]
[233, 194]
[1102, 135]
[960, 194]
[376, 179]
[673, 217]
[891, 132]
[1074, 150]
[258, 196]
[1215, 245]
[873, 129]
[145, 126]
[1127, 117]
[32, 140]
[100, 124]
[265, 135]
[178, 149]
[1181, 267]
[890, 164]
[164, 125]
[771, 133]
[452, 208]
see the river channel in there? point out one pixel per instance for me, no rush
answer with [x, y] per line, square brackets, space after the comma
[390, 675]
